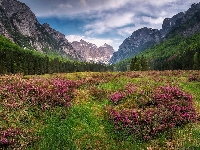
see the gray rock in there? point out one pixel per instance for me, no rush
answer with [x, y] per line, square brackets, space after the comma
[143, 38]
[19, 24]
[91, 53]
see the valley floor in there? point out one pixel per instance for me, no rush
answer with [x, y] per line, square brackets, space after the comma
[109, 111]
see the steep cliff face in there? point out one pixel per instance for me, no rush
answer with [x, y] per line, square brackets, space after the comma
[187, 23]
[19, 23]
[91, 53]
[137, 42]
[169, 23]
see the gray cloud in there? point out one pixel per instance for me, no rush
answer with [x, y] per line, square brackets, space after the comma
[121, 17]
[44, 8]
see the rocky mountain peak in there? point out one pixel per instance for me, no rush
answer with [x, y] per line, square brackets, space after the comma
[19, 23]
[91, 53]
[56, 34]
[145, 37]
[139, 40]
[20, 15]
[168, 23]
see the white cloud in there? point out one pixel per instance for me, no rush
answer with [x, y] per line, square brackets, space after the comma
[48, 7]
[65, 6]
[161, 2]
[153, 22]
[127, 31]
[114, 4]
[118, 20]
[108, 23]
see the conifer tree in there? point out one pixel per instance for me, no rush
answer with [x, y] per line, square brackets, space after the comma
[196, 61]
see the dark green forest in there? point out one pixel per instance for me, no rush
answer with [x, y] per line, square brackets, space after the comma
[17, 60]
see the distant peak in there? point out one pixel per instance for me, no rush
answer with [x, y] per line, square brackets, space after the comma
[46, 25]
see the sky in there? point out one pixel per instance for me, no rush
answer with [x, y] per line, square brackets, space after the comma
[105, 21]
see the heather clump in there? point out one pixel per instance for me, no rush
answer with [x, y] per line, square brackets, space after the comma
[19, 96]
[166, 107]
[123, 93]
[194, 78]
[87, 110]
[9, 137]
[39, 91]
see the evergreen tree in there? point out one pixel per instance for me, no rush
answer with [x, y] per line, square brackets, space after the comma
[196, 61]
[133, 63]
[144, 63]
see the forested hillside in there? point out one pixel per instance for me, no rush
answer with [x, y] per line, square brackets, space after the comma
[177, 52]
[17, 60]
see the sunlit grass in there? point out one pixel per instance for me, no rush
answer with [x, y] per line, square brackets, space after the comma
[85, 124]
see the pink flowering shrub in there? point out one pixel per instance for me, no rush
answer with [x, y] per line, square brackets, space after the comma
[18, 93]
[116, 97]
[169, 107]
[194, 78]
[9, 138]
[39, 91]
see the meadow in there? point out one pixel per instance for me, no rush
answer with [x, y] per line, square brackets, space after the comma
[148, 110]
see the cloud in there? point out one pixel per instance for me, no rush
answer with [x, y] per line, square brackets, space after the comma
[107, 18]
[153, 22]
[65, 6]
[46, 8]
[83, 3]
[114, 4]
[111, 21]
[161, 3]
[127, 31]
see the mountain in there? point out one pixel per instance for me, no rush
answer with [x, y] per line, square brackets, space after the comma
[136, 43]
[20, 25]
[91, 53]
[184, 23]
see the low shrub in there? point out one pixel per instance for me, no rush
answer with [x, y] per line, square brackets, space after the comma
[168, 107]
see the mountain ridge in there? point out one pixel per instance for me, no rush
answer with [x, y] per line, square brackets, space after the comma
[147, 37]
[91, 53]
[20, 25]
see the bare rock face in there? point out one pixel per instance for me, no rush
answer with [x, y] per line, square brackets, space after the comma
[137, 42]
[189, 24]
[184, 23]
[91, 53]
[19, 24]
[169, 23]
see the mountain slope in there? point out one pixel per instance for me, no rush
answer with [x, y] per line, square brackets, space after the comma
[19, 24]
[186, 24]
[91, 53]
[177, 51]
[136, 43]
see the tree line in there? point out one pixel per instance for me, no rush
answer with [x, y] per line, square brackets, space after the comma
[175, 53]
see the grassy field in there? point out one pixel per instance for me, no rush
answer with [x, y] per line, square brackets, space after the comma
[103, 111]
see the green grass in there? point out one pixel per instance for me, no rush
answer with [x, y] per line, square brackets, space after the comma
[83, 128]
[85, 125]
[194, 89]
